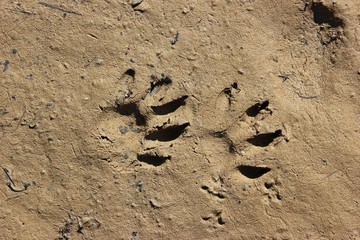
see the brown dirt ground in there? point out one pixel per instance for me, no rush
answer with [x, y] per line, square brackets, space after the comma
[222, 119]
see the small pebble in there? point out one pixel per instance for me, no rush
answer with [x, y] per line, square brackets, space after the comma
[186, 10]
[29, 77]
[124, 130]
[143, 7]
[99, 61]
[240, 71]
[245, 187]
[26, 185]
[154, 203]
[66, 65]
[50, 105]
[134, 3]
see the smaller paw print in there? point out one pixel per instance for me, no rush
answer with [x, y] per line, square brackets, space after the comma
[271, 190]
[214, 219]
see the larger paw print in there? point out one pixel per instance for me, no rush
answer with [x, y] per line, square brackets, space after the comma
[248, 138]
[150, 123]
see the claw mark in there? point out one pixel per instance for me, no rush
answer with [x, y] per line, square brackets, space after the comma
[154, 160]
[264, 139]
[169, 107]
[131, 109]
[168, 133]
[252, 171]
[254, 110]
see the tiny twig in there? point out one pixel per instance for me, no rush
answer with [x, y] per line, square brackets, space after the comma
[26, 185]
[7, 173]
[11, 183]
[49, 5]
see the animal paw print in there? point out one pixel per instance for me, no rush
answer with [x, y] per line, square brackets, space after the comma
[250, 135]
[271, 190]
[145, 126]
[214, 219]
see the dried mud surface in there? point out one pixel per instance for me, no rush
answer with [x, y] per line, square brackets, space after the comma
[222, 119]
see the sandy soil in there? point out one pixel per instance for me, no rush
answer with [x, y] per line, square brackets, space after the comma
[222, 119]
